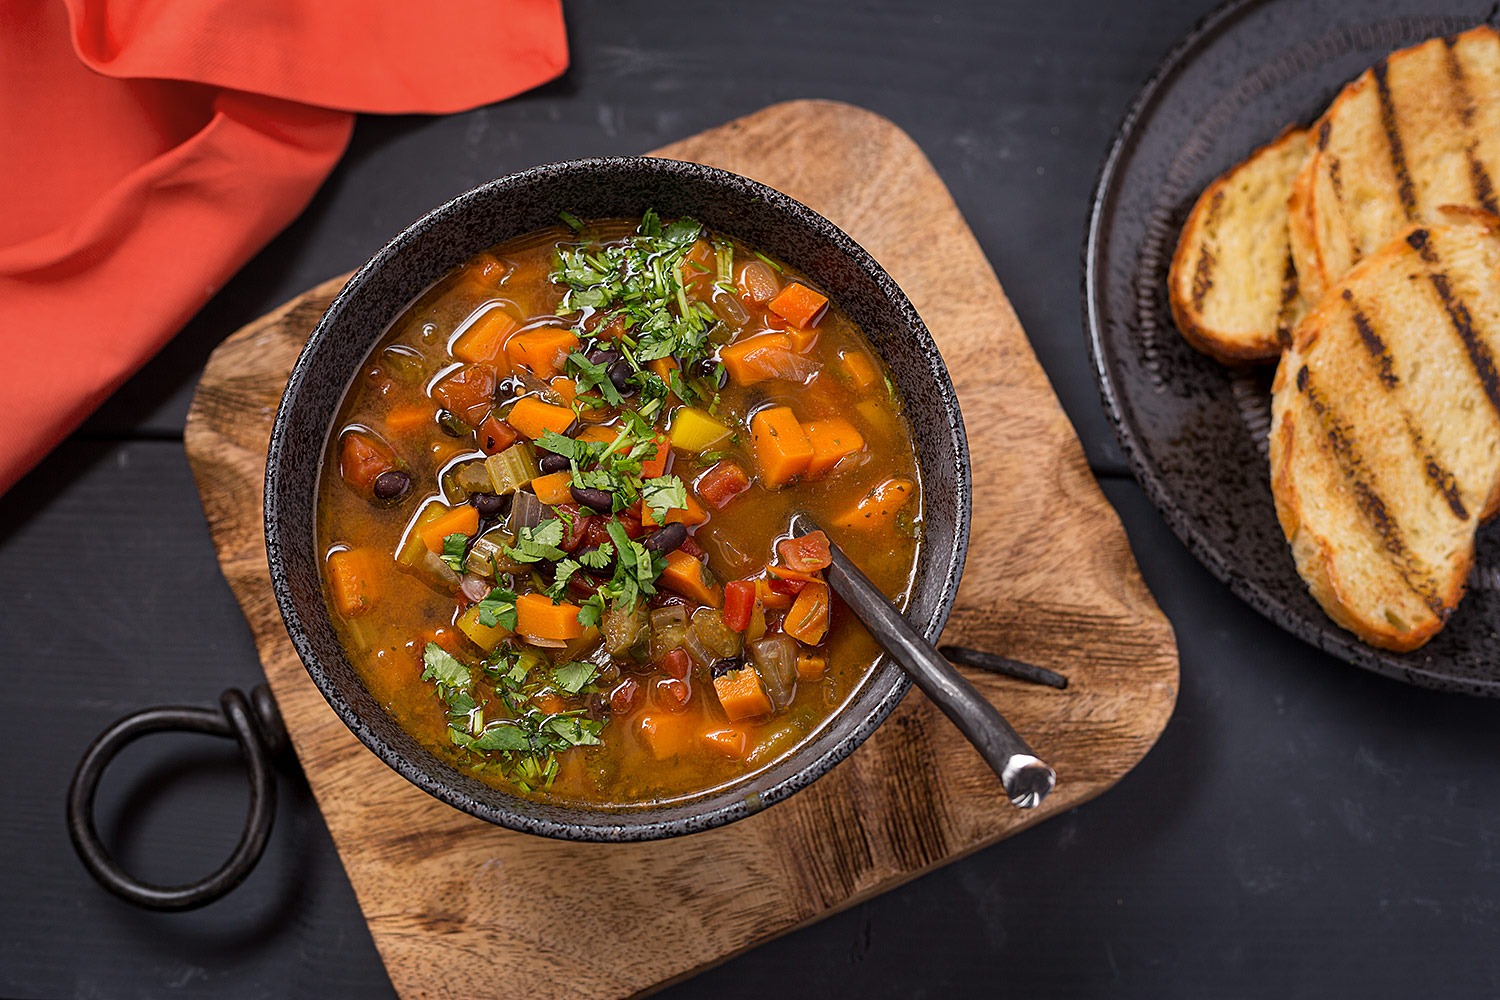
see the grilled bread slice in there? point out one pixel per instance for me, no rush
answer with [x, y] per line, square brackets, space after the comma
[1232, 285]
[1385, 436]
[1417, 131]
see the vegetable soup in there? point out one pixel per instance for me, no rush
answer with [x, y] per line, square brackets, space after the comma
[556, 511]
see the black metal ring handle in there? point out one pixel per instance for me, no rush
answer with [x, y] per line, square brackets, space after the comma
[254, 723]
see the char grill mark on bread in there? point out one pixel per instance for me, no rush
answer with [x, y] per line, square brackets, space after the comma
[1233, 284]
[1480, 355]
[1386, 432]
[1393, 140]
[1479, 175]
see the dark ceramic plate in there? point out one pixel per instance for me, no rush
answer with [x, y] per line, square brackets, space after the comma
[622, 187]
[1193, 431]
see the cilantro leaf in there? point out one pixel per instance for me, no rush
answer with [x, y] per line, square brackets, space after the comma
[663, 494]
[539, 542]
[572, 677]
[590, 376]
[575, 731]
[502, 736]
[498, 608]
[453, 550]
[598, 558]
[441, 666]
[591, 612]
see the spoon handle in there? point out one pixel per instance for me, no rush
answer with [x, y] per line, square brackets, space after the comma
[1026, 778]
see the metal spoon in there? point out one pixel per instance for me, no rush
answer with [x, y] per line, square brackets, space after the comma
[1026, 778]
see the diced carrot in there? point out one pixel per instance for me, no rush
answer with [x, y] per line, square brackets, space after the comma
[534, 418]
[788, 580]
[363, 457]
[811, 668]
[832, 441]
[781, 450]
[543, 352]
[799, 305]
[403, 420]
[690, 515]
[860, 369]
[755, 359]
[656, 465]
[485, 338]
[598, 433]
[566, 388]
[741, 694]
[553, 490]
[770, 598]
[728, 741]
[350, 572]
[802, 340]
[536, 615]
[667, 735]
[690, 578]
[807, 554]
[739, 604]
[877, 509]
[807, 621]
[663, 368]
[496, 435]
[468, 392]
[486, 270]
[722, 483]
[462, 520]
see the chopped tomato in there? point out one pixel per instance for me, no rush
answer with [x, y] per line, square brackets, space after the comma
[789, 587]
[598, 531]
[722, 483]
[676, 664]
[672, 694]
[575, 527]
[807, 554]
[362, 458]
[739, 604]
[692, 548]
[495, 435]
[623, 698]
[468, 392]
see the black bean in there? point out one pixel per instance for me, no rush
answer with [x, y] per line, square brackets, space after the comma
[599, 500]
[603, 356]
[392, 485]
[619, 374]
[666, 539]
[721, 667]
[550, 463]
[489, 504]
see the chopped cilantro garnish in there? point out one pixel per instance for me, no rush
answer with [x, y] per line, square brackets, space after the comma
[539, 542]
[442, 666]
[498, 608]
[574, 676]
[664, 494]
[454, 546]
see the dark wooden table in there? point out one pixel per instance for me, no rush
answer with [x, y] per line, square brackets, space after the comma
[1302, 829]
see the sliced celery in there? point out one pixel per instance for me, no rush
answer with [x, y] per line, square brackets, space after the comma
[513, 468]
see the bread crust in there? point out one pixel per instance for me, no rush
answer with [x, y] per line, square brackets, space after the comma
[1230, 346]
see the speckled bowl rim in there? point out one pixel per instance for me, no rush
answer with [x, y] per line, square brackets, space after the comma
[1324, 635]
[633, 823]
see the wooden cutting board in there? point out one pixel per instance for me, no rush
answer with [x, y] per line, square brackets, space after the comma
[1050, 580]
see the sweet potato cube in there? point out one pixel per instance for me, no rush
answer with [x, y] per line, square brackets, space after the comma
[832, 441]
[782, 451]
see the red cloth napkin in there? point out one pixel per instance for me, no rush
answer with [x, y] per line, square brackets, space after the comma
[148, 148]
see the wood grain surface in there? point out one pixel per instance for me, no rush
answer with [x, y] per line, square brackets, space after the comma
[1050, 579]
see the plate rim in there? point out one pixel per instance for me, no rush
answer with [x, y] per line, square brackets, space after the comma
[1325, 635]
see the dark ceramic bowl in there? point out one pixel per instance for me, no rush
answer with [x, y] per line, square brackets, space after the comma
[521, 203]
